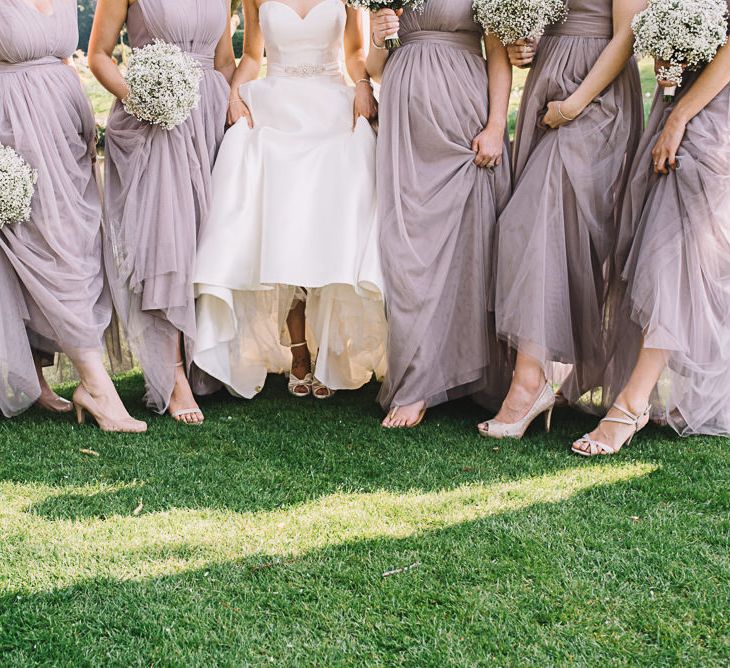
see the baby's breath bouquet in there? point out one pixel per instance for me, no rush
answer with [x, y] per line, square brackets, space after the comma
[512, 20]
[17, 185]
[684, 34]
[164, 85]
[392, 42]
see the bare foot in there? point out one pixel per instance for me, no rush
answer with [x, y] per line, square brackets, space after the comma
[183, 402]
[519, 400]
[405, 417]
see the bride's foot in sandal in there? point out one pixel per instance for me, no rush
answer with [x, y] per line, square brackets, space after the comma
[615, 431]
[300, 376]
[321, 391]
[405, 417]
[183, 407]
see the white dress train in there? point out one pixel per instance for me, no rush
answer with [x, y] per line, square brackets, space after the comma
[293, 217]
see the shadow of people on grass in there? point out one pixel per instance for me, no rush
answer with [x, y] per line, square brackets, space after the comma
[539, 584]
[264, 454]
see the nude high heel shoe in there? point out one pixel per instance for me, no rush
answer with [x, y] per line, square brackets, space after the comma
[85, 403]
[544, 404]
[55, 404]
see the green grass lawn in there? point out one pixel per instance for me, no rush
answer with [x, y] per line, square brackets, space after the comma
[262, 538]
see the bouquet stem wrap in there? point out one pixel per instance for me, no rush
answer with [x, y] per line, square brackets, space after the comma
[392, 42]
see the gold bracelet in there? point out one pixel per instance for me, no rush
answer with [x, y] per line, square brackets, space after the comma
[563, 115]
[367, 81]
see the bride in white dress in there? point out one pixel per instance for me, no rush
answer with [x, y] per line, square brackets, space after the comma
[288, 276]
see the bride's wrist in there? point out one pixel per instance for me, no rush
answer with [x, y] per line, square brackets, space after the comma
[365, 81]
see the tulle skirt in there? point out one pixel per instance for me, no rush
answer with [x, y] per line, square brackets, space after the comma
[438, 213]
[558, 231]
[53, 294]
[157, 199]
[674, 247]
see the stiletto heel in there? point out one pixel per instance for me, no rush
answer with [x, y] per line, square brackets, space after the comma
[544, 403]
[85, 403]
[549, 419]
[596, 448]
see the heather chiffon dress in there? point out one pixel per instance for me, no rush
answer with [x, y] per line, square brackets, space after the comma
[53, 295]
[674, 250]
[157, 188]
[557, 233]
[438, 211]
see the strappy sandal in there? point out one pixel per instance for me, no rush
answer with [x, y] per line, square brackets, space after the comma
[304, 385]
[176, 415]
[597, 448]
[317, 386]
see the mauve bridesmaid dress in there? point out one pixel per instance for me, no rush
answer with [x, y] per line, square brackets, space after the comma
[52, 289]
[674, 250]
[438, 211]
[157, 191]
[557, 233]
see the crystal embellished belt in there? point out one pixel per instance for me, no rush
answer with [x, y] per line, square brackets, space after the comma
[304, 70]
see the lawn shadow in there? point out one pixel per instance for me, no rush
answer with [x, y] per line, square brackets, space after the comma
[533, 585]
[269, 453]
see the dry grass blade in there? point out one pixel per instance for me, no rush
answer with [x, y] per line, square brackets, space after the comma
[398, 571]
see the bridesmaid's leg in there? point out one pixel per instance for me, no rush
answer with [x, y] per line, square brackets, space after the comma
[634, 398]
[182, 400]
[527, 383]
[49, 399]
[97, 395]
[301, 360]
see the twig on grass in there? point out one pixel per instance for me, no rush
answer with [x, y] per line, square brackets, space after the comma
[398, 571]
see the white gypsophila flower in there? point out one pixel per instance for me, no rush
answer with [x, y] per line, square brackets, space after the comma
[375, 5]
[164, 85]
[682, 33]
[17, 186]
[512, 20]
[672, 74]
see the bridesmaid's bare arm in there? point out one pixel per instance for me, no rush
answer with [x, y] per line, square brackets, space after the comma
[225, 59]
[383, 23]
[714, 78]
[250, 66]
[608, 66]
[365, 104]
[109, 19]
[489, 143]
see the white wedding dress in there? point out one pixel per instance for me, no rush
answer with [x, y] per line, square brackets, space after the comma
[293, 207]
